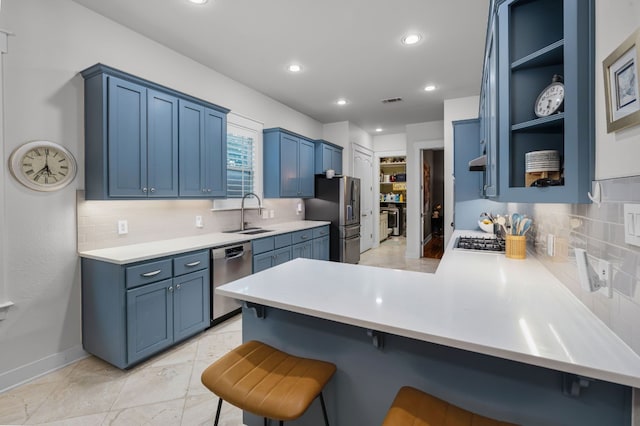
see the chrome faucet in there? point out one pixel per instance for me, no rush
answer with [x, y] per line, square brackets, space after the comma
[242, 223]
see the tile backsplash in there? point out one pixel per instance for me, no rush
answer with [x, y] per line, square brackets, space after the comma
[600, 231]
[150, 220]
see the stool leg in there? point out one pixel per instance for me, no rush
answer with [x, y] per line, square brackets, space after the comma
[215, 422]
[324, 410]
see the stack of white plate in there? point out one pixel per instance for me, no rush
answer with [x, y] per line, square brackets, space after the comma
[542, 161]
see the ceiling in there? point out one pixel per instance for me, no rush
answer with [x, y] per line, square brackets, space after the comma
[347, 48]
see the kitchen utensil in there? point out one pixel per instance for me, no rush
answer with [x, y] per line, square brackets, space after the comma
[515, 221]
[502, 221]
[524, 226]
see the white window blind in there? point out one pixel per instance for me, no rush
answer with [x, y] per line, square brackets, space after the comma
[244, 161]
[240, 164]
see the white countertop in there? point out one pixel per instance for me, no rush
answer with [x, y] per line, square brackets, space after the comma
[482, 302]
[145, 251]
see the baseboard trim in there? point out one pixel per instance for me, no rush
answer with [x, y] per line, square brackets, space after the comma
[35, 369]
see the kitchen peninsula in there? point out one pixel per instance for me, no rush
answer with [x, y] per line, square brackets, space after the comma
[497, 336]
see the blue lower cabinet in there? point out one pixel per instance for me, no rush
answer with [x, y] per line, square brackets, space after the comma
[312, 243]
[190, 304]
[302, 250]
[149, 319]
[131, 312]
[321, 248]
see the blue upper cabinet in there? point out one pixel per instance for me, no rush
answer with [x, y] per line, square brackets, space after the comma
[327, 156]
[288, 165]
[538, 39]
[489, 113]
[127, 139]
[203, 150]
[133, 140]
[162, 144]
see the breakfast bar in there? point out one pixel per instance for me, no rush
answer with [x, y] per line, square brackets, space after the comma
[497, 336]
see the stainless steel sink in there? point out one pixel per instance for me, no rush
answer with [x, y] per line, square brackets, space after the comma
[254, 231]
[248, 231]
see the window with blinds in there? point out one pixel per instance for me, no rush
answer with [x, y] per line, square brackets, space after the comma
[240, 165]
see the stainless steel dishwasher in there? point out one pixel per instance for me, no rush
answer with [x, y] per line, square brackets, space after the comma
[228, 263]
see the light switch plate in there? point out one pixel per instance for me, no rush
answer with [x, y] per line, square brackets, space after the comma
[632, 224]
[551, 244]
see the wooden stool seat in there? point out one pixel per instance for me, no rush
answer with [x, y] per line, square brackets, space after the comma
[267, 382]
[416, 408]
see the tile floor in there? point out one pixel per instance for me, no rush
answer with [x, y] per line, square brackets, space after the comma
[164, 390]
[391, 254]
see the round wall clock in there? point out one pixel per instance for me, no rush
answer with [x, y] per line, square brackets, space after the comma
[551, 98]
[43, 165]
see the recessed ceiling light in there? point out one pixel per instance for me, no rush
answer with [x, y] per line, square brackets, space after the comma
[430, 88]
[410, 39]
[378, 129]
[341, 102]
[294, 68]
[198, 1]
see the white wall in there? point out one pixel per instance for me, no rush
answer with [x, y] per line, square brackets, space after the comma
[4, 298]
[337, 133]
[393, 142]
[454, 109]
[43, 99]
[617, 153]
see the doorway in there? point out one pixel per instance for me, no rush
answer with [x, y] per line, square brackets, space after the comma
[363, 169]
[432, 202]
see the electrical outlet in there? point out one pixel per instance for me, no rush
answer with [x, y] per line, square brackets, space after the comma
[265, 214]
[199, 222]
[123, 227]
[272, 214]
[604, 272]
[299, 208]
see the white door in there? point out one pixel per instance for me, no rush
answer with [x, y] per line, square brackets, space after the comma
[363, 169]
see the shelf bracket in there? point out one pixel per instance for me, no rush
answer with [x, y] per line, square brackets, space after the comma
[572, 384]
[259, 310]
[377, 338]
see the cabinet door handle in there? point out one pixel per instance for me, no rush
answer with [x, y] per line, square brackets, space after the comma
[209, 190]
[144, 190]
[152, 273]
[204, 189]
[192, 264]
[153, 190]
[170, 289]
[177, 286]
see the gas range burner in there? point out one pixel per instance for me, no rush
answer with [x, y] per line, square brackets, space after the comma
[491, 244]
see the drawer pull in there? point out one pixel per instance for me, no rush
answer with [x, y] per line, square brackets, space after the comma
[192, 264]
[170, 289]
[152, 273]
[304, 237]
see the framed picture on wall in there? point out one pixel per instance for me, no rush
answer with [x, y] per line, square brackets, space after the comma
[621, 88]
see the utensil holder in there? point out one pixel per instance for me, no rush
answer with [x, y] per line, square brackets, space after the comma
[516, 246]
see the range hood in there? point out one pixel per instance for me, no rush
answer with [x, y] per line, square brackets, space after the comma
[478, 164]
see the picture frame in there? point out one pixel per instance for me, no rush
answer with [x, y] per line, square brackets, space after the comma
[621, 87]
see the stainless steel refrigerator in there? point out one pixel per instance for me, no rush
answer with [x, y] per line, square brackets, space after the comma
[338, 200]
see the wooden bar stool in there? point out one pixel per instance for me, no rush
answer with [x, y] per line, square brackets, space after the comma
[416, 408]
[262, 380]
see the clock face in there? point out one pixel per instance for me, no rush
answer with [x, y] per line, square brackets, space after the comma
[550, 100]
[43, 166]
